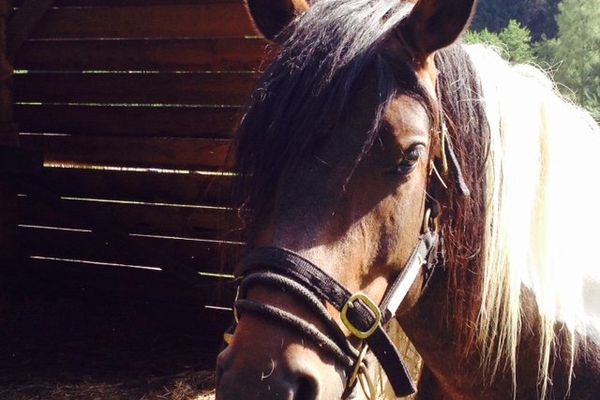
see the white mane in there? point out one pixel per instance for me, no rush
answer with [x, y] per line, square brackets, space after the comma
[542, 221]
[541, 216]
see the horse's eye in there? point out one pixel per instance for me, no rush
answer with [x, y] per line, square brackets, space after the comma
[413, 154]
[409, 159]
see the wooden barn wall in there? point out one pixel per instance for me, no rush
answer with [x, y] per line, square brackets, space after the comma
[8, 143]
[131, 105]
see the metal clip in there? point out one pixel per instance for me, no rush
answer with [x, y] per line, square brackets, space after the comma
[366, 384]
[444, 139]
[429, 223]
[360, 375]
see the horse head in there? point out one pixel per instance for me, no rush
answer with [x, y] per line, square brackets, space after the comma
[342, 155]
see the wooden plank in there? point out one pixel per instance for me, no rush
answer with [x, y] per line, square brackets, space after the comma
[200, 20]
[8, 137]
[22, 22]
[148, 186]
[9, 244]
[8, 130]
[73, 278]
[145, 252]
[128, 120]
[197, 154]
[164, 88]
[148, 219]
[217, 54]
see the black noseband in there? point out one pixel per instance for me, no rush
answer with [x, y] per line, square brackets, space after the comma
[365, 320]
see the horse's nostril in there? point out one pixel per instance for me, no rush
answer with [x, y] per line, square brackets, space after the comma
[307, 388]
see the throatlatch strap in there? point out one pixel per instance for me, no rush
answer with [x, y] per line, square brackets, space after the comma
[291, 265]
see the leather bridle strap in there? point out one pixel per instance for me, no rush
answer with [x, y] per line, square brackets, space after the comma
[421, 256]
[363, 318]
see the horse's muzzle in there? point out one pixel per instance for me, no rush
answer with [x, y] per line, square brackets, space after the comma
[264, 362]
[252, 377]
[254, 383]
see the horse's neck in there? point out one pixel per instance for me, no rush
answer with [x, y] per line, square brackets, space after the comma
[451, 374]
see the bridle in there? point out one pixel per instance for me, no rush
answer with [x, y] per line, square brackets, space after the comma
[365, 320]
[281, 268]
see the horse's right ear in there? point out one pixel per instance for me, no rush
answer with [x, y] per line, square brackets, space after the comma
[434, 24]
[272, 16]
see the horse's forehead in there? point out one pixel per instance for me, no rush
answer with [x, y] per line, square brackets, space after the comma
[407, 118]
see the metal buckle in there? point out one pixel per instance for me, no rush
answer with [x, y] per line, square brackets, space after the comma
[365, 300]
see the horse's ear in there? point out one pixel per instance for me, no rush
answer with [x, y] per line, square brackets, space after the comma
[435, 24]
[272, 16]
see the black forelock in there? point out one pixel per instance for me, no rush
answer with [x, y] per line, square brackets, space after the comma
[304, 94]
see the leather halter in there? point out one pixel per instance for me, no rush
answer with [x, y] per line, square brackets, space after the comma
[363, 318]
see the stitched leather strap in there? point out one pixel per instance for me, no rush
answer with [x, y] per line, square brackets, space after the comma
[422, 255]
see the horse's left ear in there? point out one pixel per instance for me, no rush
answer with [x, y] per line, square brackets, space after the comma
[435, 24]
[272, 16]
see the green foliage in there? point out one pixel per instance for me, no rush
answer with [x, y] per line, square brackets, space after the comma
[566, 38]
[485, 37]
[517, 40]
[576, 52]
[545, 51]
[514, 40]
[537, 15]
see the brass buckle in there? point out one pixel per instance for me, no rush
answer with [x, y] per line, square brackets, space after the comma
[364, 299]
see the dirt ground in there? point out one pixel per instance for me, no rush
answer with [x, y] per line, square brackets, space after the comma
[184, 386]
[82, 347]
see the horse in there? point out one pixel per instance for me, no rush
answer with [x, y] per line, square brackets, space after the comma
[387, 171]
